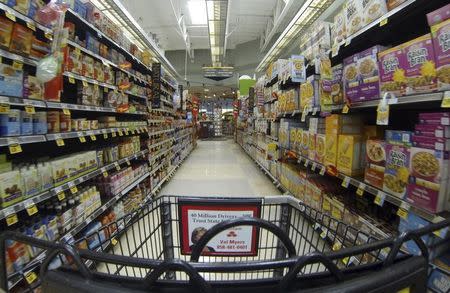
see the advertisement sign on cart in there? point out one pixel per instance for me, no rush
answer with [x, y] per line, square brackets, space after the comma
[199, 215]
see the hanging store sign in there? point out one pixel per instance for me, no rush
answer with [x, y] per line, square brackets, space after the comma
[156, 85]
[218, 73]
[199, 215]
[298, 69]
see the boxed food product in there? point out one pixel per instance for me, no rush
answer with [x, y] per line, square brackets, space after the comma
[21, 39]
[439, 15]
[391, 4]
[441, 36]
[305, 143]
[40, 122]
[351, 79]
[11, 189]
[420, 71]
[392, 71]
[434, 143]
[413, 222]
[396, 174]
[338, 31]
[26, 123]
[354, 16]
[369, 88]
[349, 154]
[438, 118]
[32, 88]
[11, 81]
[10, 123]
[373, 9]
[342, 124]
[312, 146]
[432, 130]
[376, 160]
[6, 28]
[439, 281]
[40, 46]
[20, 5]
[309, 92]
[320, 148]
[373, 131]
[88, 66]
[399, 137]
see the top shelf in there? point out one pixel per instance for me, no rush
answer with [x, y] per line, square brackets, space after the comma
[26, 19]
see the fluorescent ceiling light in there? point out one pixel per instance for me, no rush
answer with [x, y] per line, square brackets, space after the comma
[197, 11]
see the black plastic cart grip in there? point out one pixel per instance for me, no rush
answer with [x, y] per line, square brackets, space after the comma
[177, 265]
[312, 258]
[244, 221]
[404, 237]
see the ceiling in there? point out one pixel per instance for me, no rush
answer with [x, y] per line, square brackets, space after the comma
[212, 92]
[247, 21]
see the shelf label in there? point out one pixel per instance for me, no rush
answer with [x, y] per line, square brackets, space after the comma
[345, 182]
[402, 213]
[15, 148]
[32, 209]
[379, 199]
[322, 170]
[105, 135]
[127, 161]
[82, 138]
[114, 241]
[85, 84]
[117, 166]
[304, 113]
[105, 173]
[345, 109]
[31, 277]
[120, 132]
[48, 35]
[71, 80]
[73, 188]
[334, 51]
[30, 109]
[10, 15]
[17, 65]
[11, 219]
[384, 21]
[61, 196]
[105, 89]
[361, 188]
[60, 142]
[306, 163]
[113, 134]
[66, 111]
[93, 137]
[446, 100]
[313, 167]
[4, 108]
[348, 41]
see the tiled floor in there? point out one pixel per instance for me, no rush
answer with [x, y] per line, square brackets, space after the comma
[219, 168]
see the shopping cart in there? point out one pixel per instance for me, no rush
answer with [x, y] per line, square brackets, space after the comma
[270, 244]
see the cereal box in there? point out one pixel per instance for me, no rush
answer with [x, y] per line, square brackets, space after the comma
[441, 44]
[331, 145]
[368, 69]
[21, 39]
[429, 176]
[420, 71]
[349, 155]
[11, 81]
[351, 79]
[439, 15]
[353, 16]
[309, 93]
[391, 4]
[434, 143]
[392, 73]
[432, 130]
[6, 27]
[337, 92]
[438, 118]
[399, 137]
[396, 173]
[320, 148]
[376, 159]
[312, 146]
[305, 143]
[338, 31]
[373, 9]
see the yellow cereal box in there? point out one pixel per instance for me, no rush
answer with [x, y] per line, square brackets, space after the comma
[349, 155]
[320, 148]
[305, 143]
[312, 146]
[331, 144]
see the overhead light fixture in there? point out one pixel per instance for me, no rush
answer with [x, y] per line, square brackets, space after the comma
[217, 14]
[197, 11]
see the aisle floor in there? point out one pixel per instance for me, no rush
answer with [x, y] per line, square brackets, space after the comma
[219, 168]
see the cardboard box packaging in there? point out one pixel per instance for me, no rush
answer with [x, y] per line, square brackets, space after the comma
[396, 174]
[6, 28]
[392, 63]
[320, 148]
[440, 36]
[376, 159]
[331, 145]
[349, 155]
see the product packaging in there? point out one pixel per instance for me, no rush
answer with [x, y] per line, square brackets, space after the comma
[392, 65]
[396, 174]
[441, 36]
[376, 160]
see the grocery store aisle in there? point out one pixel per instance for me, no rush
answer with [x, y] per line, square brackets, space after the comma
[219, 168]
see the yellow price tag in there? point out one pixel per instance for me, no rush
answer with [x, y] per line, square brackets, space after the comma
[446, 100]
[105, 173]
[4, 108]
[113, 134]
[32, 210]
[105, 89]
[120, 132]
[77, 51]
[345, 260]
[337, 246]
[30, 109]
[105, 135]
[347, 41]
[31, 26]
[71, 80]
[345, 109]
[85, 84]
[128, 162]
[404, 290]
[117, 166]
[323, 234]
[82, 139]
[48, 35]
[15, 148]
[10, 15]
[60, 142]
[11, 219]
[17, 65]
[360, 191]
[61, 196]
[73, 189]
[345, 182]
[113, 241]
[126, 131]
[66, 111]
[379, 199]
[93, 137]
[31, 277]
[383, 22]
[402, 213]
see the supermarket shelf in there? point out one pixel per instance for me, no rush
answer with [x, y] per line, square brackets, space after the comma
[76, 107]
[167, 102]
[89, 80]
[14, 101]
[15, 57]
[153, 170]
[160, 143]
[136, 95]
[26, 19]
[161, 132]
[183, 136]
[26, 139]
[315, 166]
[154, 157]
[75, 134]
[406, 100]
[56, 190]
[272, 137]
[157, 121]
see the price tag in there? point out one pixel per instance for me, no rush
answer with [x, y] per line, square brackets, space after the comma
[73, 189]
[113, 134]
[105, 135]
[11, 219]
[126, 131]
[120, 132]
[82, 139]
[304, 113]
[93, 137]
[345, 109]
[313, 167]
[85, 84]
[48, 35]
[345, 260]
[306, 163]
[30, 109]
[314, 112]
[105, 173]
[15, 148]
[105, 89]
[10, 15]
[31, 277]
[71, 80]
[402, 213]
[379, 199]
[322, 171]
[113, 241]
[128, 162]
[117, 166]
[32, 209]
[446, 100]
[17, 65]
[60, 142]
[61, 196]
[345, 182]
[384, 21]
[66, 111]
[323, 235]
[361, 188]
[348, 41]
[132, 131]
[31, 26]
[4, 108]
[337, 246]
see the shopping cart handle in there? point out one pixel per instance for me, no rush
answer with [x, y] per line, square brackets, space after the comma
[398, 242]
[177, 265]
[244, 221]
[311, 258]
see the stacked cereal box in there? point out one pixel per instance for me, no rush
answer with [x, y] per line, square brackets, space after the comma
[316, 129]
[376, 159]
[429, 162]
[309, 93]
[392, 74]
